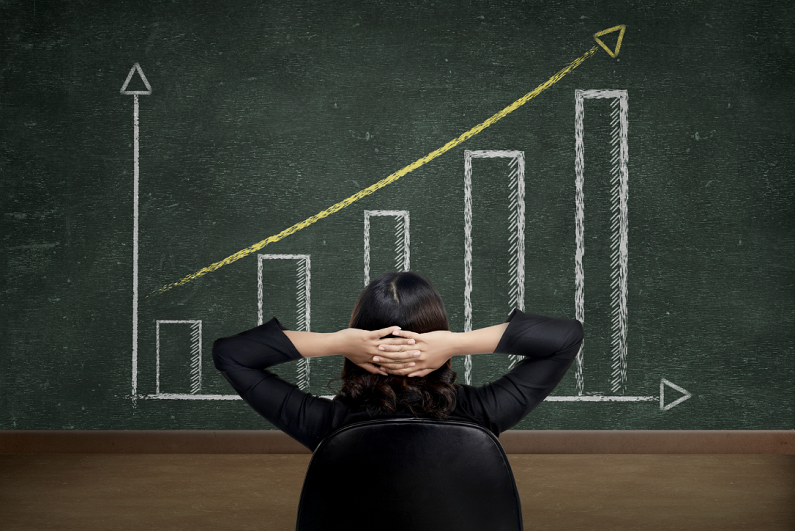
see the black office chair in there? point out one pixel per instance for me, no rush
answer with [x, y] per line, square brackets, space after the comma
[410, 475]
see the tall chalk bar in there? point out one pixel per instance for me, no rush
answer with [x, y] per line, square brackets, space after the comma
[284, 288]
[601, 260]
[494, 235]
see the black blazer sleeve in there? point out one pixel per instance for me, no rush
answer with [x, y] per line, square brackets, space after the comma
[549, 346]
[243, 360]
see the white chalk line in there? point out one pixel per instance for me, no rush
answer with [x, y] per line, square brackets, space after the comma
[366, 248]
[576, 398]
[196, 358]
[515, 239]
[587, 398]
[136, 175]
[467, 258]
[135, 246]
[661, 397]
[619, 227]
[303, 303]
[619, 232]
[185, 396]
[579, 219]
[402, 239]
[303, 281]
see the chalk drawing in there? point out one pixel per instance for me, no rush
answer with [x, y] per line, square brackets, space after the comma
[592, 398]
[184, 396]
[516, 264]
[663, 406]
[515, 237]
[136, 68]
[685, 395]
[613, 53]
[302, 300]
[619, 232]
[599, 398]
[196, 357]
[402, 240]
[196, 326]
[387, 180]
[135, 247]
[195, 353]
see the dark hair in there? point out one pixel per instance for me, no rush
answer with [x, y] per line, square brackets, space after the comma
[410, 301]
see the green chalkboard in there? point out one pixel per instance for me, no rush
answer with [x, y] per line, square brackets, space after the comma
[644, 185]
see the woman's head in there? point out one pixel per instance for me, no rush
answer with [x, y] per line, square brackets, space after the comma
[406, 299]
[410, 301]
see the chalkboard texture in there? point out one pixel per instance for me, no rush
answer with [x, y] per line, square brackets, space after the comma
[153, 154]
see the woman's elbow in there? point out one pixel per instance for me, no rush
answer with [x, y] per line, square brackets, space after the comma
[221, 353]
[576, 333]
[580, 333]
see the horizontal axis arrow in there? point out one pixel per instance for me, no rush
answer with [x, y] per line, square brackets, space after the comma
[663, 406]
[584, 398]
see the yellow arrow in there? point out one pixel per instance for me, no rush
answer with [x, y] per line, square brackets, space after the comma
[400, 173]
[596, 36]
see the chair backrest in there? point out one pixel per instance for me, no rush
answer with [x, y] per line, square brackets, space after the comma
[410, 474]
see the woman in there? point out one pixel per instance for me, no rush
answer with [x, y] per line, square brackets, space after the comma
[397, 364]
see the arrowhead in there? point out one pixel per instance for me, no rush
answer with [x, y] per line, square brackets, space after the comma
[685, 395]
[596, 36]
[136, 68]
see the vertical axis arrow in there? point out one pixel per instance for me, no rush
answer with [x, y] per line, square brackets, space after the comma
[135, 93]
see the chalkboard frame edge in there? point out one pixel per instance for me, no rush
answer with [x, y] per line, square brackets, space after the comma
[514, 442]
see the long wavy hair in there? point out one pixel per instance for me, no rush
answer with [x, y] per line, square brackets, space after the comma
[410, 301]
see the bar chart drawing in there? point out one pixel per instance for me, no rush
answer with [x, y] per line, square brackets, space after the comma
[515, 238]
[619, 180]
[402, 239]
[303, 291]
[178, 347]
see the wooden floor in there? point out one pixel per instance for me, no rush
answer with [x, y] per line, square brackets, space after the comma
[217, 492]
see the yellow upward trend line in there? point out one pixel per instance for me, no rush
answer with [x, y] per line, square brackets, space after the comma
[386, 180]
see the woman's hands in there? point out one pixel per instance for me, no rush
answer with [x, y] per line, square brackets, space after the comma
[424, 353]
[360, 346]
[409, 354]
[419, 356]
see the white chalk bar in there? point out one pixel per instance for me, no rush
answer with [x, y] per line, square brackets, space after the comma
[179, 356]
[502, 252]
[284, 288]
[602, 242]
[387, 242]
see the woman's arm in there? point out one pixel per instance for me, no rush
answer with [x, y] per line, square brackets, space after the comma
[359, 346]
[244, 360]
[548, 345]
